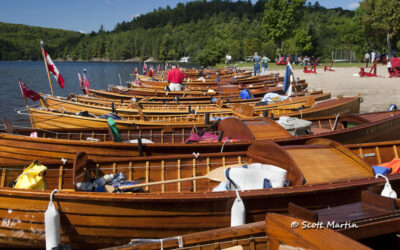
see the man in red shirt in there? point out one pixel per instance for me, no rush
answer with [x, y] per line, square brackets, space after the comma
[175, 78]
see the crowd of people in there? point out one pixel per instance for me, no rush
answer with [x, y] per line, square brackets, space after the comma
[373, 56]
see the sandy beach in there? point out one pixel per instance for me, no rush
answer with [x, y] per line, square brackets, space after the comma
[377, 92]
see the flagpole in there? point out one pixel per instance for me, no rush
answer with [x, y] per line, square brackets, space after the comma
[26, 102]
[22, 92]
[47, 69]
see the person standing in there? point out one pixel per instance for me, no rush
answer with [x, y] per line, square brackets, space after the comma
[175, 78]
[373, 56]
[264, 64]
[228, 59]
[366, 59]
[256, 60]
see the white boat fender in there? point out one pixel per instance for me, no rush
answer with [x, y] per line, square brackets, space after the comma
[387, 190]
[52, 224]
[238, 211]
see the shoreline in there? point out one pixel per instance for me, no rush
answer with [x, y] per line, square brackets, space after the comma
[378, 93]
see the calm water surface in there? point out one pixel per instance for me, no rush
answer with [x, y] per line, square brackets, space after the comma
[33, 74]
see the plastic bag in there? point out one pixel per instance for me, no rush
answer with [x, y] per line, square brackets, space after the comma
[32, 177]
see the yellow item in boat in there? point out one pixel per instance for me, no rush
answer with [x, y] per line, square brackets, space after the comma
[32, 177]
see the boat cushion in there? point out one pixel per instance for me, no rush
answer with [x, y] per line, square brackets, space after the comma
[381, 170]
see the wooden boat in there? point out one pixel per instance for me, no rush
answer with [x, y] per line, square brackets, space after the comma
[274, 233]
[371, 217]
[226, 91]
[179, 101]
[98, 143]
[51, 119]
[95, 108]
[271, 79]
[119, 93]
[321, 174]
[375, 216]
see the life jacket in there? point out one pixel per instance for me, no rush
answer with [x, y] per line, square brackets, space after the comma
[394, 165]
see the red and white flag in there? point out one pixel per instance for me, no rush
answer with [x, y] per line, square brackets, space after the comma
[144, 68]
[53, 69]
[86, 82]
[28, 92]
[135, 71]
[158, 67]
[80, 80]
[166, 65]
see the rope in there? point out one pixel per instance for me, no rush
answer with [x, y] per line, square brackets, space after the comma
[52, 194]
[223, 145]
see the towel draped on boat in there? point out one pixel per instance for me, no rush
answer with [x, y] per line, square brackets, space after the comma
[253, 176]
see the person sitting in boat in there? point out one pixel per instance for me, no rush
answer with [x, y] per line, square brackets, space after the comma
[175, 78]
[150, 73]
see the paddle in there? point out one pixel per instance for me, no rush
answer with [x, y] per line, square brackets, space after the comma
[217, 174]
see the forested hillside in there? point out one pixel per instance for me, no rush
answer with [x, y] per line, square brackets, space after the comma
[22, 42]
[203, 30]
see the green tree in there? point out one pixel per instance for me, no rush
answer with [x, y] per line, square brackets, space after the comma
[302, 42]
[280, 18]
[381, 20]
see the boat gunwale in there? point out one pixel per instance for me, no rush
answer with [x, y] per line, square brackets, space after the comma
[64, 195]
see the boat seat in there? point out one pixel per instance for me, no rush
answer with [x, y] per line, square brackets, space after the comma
[371, 207]
[82, 170]
[316, 130]
[329, 161]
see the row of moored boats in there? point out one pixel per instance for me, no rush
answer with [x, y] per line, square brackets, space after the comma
[233, 161]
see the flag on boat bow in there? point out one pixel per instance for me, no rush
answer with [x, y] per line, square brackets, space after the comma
[27, 92]
[288, 80]
[53, 69]
[86, 82]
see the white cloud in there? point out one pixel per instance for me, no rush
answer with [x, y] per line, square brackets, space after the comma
[82, 31]
[107, 2]
[353, 5]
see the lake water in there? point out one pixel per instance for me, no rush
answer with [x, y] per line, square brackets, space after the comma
[33, 74]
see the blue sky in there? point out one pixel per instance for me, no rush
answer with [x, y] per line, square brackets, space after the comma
[88, 15]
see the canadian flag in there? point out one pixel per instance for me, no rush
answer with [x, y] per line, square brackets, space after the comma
[53, 69]
[135, 71]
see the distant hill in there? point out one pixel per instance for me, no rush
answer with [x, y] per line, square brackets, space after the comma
[204, 30]
[193, 12]
[22, 42]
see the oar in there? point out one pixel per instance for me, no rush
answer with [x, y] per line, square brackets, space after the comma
[217, 174]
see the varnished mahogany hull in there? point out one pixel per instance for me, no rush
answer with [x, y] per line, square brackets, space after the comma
[99, 220]
[51, 120]
[95, 108]
[91, 220]
[20, 148]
